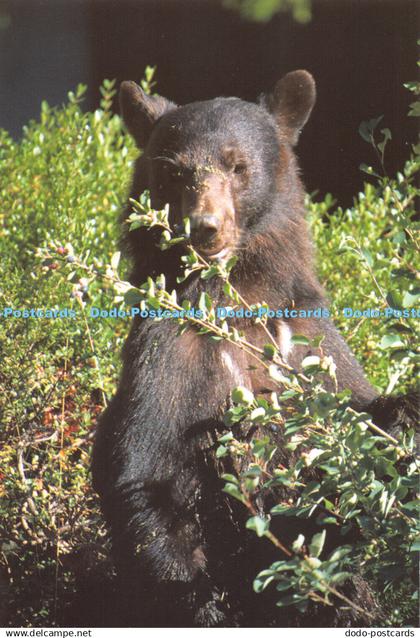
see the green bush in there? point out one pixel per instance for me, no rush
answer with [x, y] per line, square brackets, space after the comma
[65, 180]
[62, 187]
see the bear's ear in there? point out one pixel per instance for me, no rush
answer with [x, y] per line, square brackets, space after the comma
[140, 111]
[291, 102]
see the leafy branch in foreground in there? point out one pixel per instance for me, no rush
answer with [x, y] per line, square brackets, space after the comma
[343, 476]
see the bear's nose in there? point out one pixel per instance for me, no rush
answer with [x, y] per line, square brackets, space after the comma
[204, 228]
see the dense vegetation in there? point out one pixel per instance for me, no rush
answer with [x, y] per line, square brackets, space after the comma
[62, 186]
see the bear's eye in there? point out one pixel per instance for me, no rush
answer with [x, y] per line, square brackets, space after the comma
[169, 171]
[172, 174]
[176, 175]
[239, 168]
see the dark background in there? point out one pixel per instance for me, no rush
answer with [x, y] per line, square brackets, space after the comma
[359, 51]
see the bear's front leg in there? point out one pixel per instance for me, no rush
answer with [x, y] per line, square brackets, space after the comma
[151, 490]
[167, 549]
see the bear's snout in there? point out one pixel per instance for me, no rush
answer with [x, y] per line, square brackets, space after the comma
[210, 209]
[204, 229]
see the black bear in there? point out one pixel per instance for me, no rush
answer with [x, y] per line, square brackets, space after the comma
[182, 553]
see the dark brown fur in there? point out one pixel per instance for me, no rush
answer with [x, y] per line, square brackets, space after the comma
[180, 545]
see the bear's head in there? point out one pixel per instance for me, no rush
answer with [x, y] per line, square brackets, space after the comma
[222, 163]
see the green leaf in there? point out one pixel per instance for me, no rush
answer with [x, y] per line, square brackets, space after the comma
[221, 451]
[230, 291]
[392, 300]
[133, 297]
[368, 257]
[323, 404]
[312, 455]
[115, 260]
[412, 506]
[368, 169]
[391, 341]
[399, 238]
[260, 584]
[290, 600]
[230, 263]
[367, 128]
[364, 131]
[230, 478]
[284, 585]
[317, 543]
[269, 351]
[298, 543]
[258, 414]
[233, 490]
[386, 133]
[209, 273]
[205, 303]
[300, 340]
[339, 553]
[277, 375]
[253, 470]
[411, 298]
[242, 395]
[226, 438]
[311, 363]
[187, 226]
[414, 109]
[415, 545]
[258, 524]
